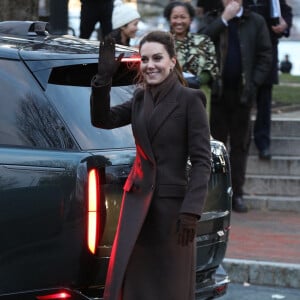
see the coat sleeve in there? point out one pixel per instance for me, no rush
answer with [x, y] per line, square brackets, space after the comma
[104, 116]
[287, 15]
[263, 62]
[199, 153]
[210, 66]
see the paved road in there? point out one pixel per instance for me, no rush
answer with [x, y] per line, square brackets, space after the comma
[254, 292]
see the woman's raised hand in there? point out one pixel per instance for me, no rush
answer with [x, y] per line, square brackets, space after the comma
[107, 64]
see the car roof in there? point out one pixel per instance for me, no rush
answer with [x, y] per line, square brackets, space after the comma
[31, 40]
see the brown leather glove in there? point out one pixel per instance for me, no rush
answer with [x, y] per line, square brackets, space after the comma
[186, 228]
[107, 64]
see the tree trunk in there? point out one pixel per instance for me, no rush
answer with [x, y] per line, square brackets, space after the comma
[19, 10]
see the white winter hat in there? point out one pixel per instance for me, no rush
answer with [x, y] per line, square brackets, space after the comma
[123, 14]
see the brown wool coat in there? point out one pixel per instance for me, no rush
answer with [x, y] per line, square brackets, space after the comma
[146, 262]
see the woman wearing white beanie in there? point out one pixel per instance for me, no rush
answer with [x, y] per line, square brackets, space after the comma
[125, 20]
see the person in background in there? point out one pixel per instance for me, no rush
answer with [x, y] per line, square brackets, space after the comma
[204, 6]
[154, 247]
[244, 53]
[92, 12]
[125, 21]
[262, 125]
[286, 65]
[195, 52]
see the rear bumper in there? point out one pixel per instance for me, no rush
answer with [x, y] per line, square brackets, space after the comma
[54, 293]
[215, 287]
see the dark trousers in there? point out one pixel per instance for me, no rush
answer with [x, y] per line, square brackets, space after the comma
[93, 12]
[230, 124]
[262, 124]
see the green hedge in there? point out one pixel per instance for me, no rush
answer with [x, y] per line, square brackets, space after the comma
[288, 90]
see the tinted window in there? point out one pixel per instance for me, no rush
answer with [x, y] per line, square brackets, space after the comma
[26, 117]
[81, 74]
[73, 103]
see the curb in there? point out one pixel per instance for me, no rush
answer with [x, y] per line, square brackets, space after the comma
[273, 203]
[263, 272]
[277, 110]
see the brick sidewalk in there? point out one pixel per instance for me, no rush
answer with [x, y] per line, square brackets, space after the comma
[265, 236]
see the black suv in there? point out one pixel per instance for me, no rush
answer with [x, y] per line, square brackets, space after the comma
[61, 178]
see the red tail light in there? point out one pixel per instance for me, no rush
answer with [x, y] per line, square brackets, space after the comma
[55, 296]
[135, 58]
[93, 210]
[221, 290]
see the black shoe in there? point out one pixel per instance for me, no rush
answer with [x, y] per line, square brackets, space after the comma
[265, 154]
[238, 205]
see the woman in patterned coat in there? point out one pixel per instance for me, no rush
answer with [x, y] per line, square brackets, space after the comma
[153, 255]
[195, 52]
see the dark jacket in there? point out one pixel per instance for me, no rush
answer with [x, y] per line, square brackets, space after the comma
[255, 45]
[262, 7]
[157, 190]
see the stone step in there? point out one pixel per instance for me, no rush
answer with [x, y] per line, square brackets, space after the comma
[278, 165]
[273, 203]
[288, 146]
[285, 128]
[272, 185]
[275, 184]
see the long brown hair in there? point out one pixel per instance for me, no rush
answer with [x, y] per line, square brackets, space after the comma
[167, 40]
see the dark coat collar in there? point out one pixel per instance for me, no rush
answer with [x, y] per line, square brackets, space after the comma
[155, 116]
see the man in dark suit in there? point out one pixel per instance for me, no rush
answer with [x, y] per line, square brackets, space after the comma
[244, 53]
[262, 125]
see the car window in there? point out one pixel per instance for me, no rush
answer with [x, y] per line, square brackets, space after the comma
[26, 118]
[73, 103]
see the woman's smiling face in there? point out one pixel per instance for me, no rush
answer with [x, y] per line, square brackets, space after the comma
[156, 63]
[180, 20]
[130, 29]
